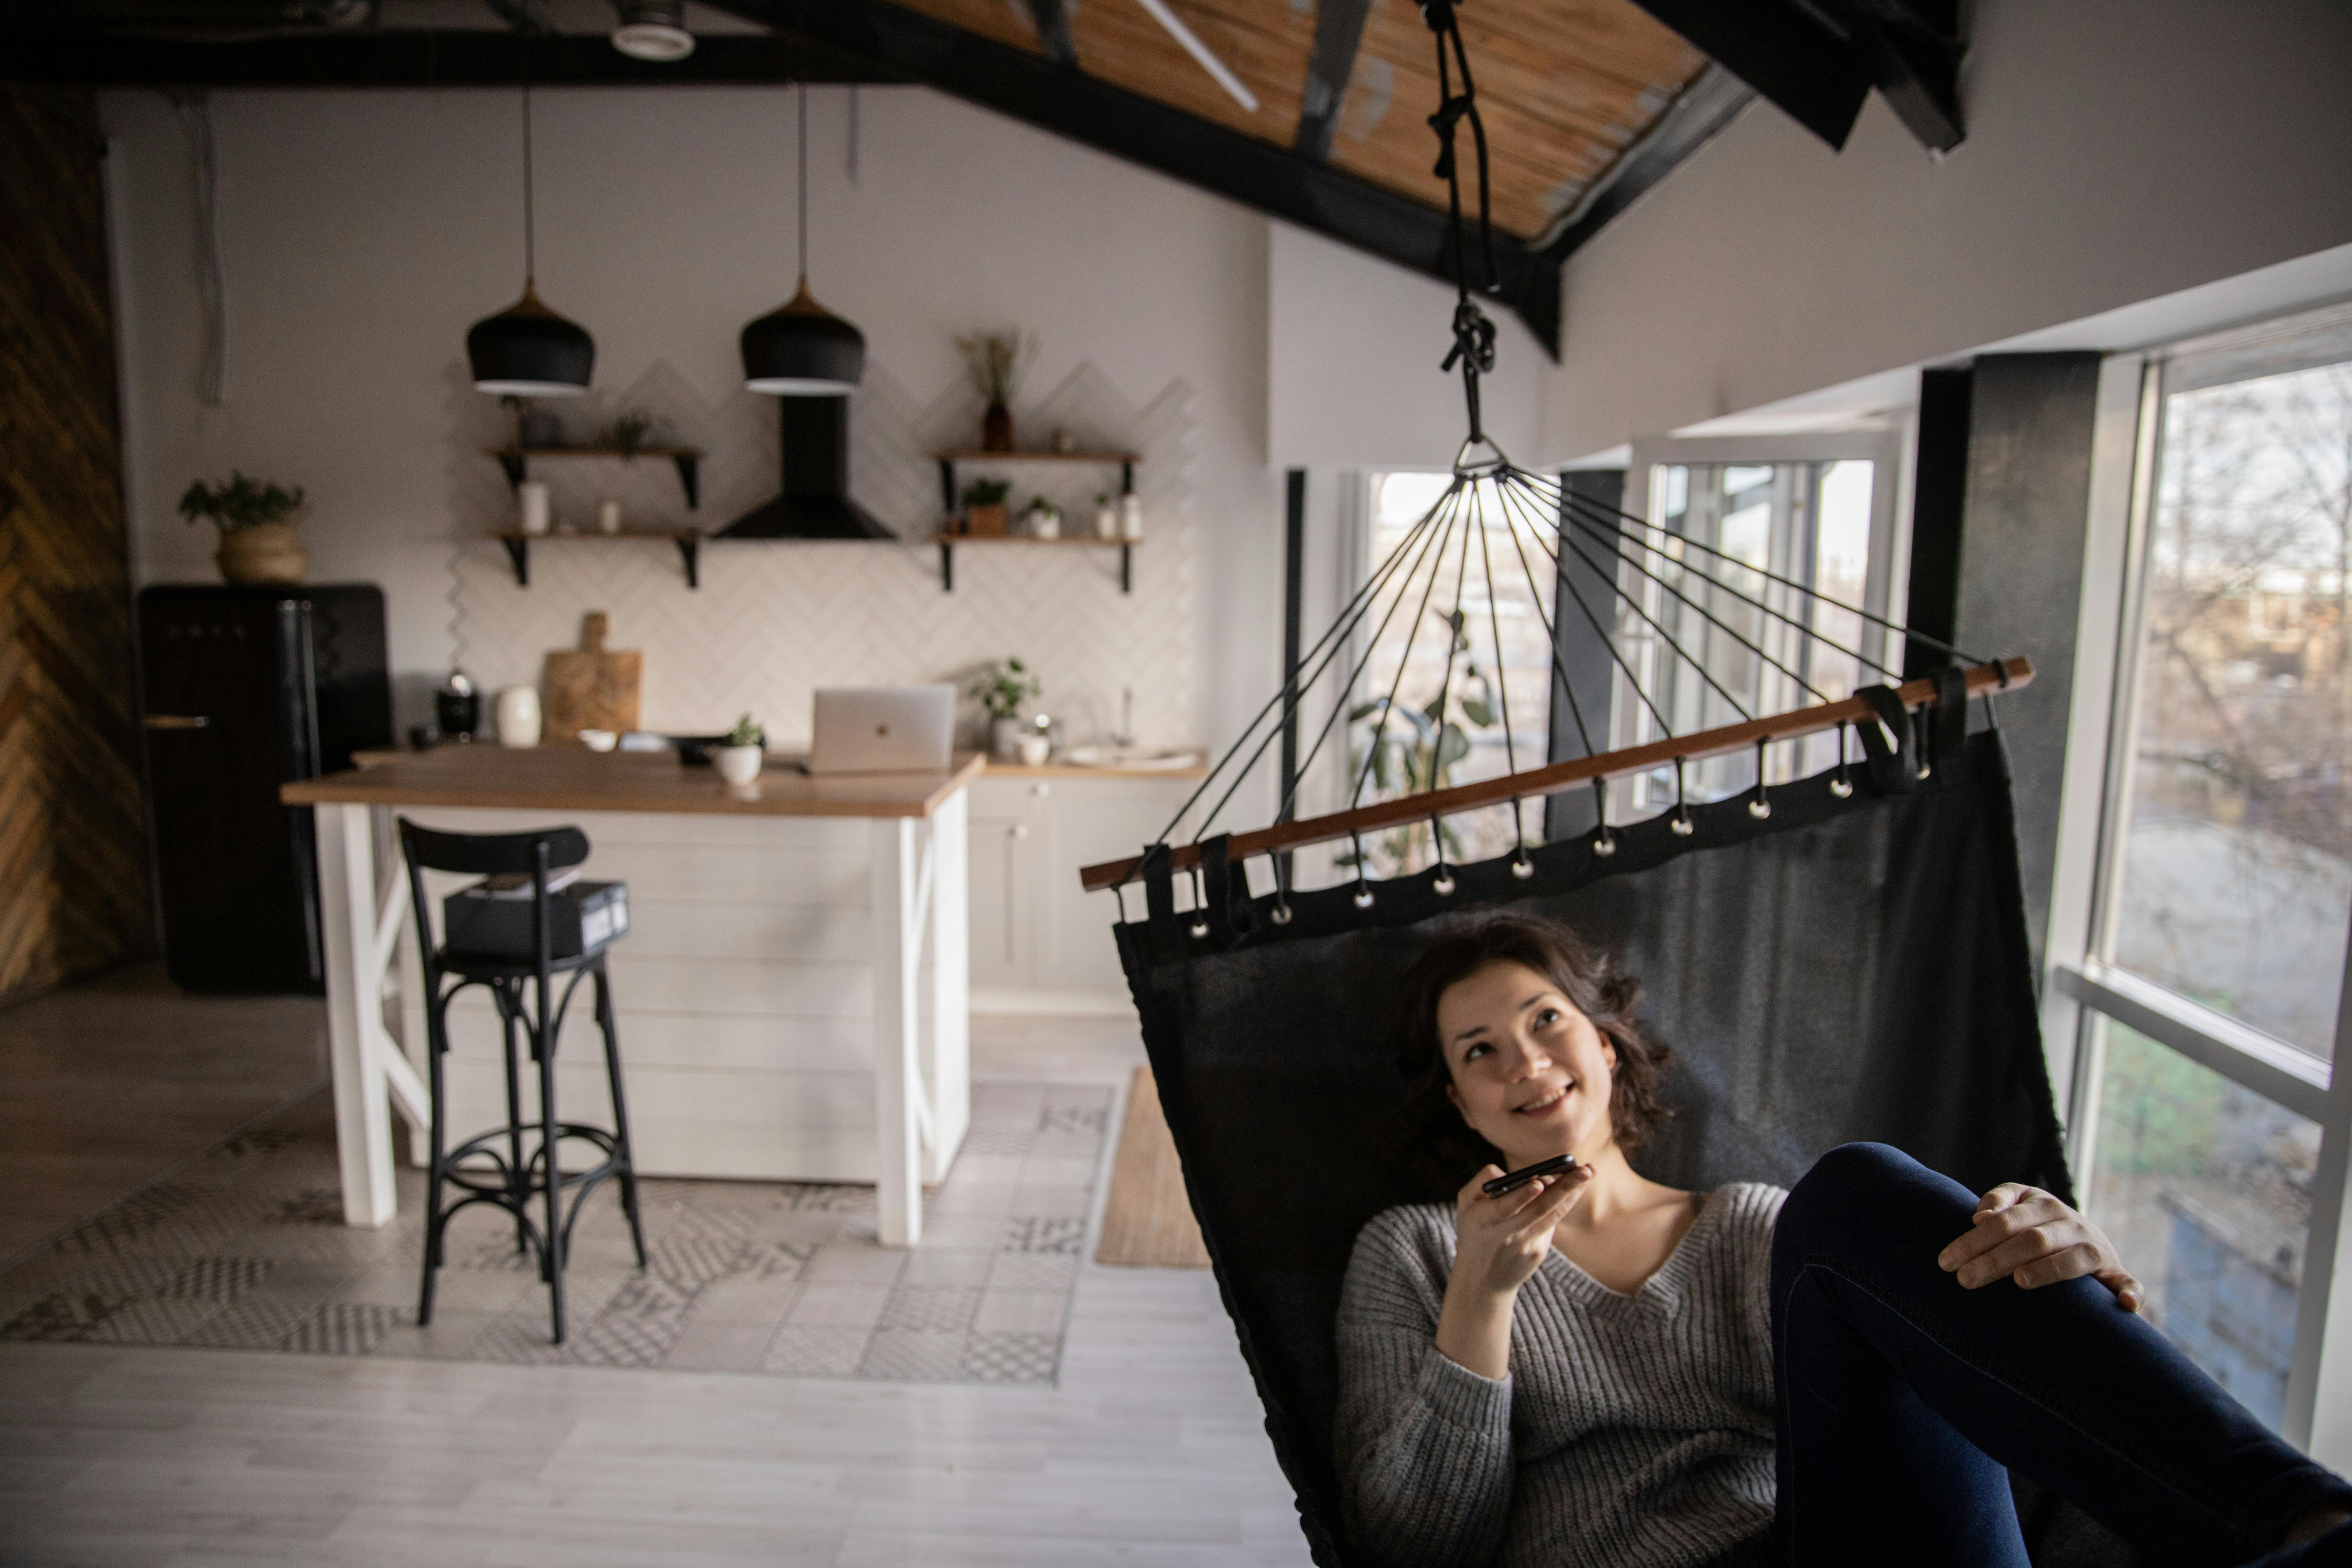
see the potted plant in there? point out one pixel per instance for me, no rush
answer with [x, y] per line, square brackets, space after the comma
[737, 761]
[258, 542]
[997, 361]
[1001, 689]
[1041, 518]
[983, 508]
[628, 434]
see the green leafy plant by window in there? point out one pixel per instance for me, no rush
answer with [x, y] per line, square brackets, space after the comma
[241, 502]
[1004, 686]
[1416, 749]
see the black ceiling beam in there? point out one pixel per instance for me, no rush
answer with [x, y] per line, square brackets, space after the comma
[1053, 19]
[1273, 180]
[1705, 107]
[402, 57]
[1818, 59]
[1339, 33]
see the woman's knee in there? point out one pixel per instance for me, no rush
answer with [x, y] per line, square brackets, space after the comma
[1865, 1192]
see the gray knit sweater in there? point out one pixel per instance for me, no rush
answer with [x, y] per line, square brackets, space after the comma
[1633, 1431]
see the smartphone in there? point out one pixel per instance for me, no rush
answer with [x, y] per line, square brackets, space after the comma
[1513, 1180]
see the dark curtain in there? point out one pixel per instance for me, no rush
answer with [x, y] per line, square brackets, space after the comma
[1843, 969]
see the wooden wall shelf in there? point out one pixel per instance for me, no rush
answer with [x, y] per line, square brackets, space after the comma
[947, 460]
[949, 542]
[688, 541]
[517, 461]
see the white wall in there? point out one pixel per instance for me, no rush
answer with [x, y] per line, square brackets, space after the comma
[364, 232]
[1353, 347]
[2118, 150]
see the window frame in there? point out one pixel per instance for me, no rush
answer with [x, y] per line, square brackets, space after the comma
[2081, 992]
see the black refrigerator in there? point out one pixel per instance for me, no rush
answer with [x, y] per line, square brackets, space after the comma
[241, 690]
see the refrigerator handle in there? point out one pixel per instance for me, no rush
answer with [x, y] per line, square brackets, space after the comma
[307, 685]
[304, 721]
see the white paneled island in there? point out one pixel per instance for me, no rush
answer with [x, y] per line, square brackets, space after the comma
[792, 995]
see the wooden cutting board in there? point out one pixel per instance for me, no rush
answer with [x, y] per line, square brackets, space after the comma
[591, 686]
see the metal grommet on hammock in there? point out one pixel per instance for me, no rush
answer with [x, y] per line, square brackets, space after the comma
[1199, 930]
[1444, 886]
[1604, 842]
[1280, 913]
[1680, 821]
[1759, 805]
[1842, 784]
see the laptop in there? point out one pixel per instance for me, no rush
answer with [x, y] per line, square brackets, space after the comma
[883, 729]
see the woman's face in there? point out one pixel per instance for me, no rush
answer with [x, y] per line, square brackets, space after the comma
[1532, 1075]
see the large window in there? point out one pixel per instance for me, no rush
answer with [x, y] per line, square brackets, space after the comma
[2210, 1132]
[1767, 520]
[1454, 713]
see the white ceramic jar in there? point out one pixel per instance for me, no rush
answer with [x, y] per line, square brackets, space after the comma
[531, 495]
[1131, 516]
[518, 716]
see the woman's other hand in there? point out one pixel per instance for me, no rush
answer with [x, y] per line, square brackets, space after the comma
[1498, 1242]
[2027, 1235]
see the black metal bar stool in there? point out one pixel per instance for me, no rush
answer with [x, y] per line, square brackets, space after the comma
[520, 974]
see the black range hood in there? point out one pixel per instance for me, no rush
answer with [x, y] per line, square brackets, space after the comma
[816, 502]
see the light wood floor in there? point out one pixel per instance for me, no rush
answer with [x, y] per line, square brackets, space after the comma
[1150, 1452]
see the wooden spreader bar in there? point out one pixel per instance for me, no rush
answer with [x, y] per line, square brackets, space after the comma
[2008, 675]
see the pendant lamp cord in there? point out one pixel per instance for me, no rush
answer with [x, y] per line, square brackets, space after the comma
[1474, 334]
[800, 96]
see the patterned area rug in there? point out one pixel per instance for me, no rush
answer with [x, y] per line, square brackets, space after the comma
[245, 1248]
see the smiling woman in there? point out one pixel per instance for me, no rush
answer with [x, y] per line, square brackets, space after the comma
[1597, 1368]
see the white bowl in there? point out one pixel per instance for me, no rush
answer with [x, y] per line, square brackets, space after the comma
[599, 740]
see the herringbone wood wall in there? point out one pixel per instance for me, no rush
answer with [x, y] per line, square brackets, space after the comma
[73, 860]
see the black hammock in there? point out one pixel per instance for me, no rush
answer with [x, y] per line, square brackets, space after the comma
[1845, 969]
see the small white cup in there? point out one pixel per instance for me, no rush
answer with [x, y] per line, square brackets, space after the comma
[608, 516]
[531, 495]
[1034, 750]
[599, 740]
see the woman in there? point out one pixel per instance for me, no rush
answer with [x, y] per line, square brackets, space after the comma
[1596, 1369]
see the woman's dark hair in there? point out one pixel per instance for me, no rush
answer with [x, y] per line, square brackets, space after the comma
[1435, 1136]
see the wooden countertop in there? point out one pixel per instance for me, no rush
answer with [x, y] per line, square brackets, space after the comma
[1068, 771]
[573, 778]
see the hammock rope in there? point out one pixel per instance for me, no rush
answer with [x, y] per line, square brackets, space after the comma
[1677, 614]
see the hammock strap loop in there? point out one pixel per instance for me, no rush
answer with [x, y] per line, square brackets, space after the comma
[1951, 720]
[1893, 766]
[1230, 915]
[1159, 872]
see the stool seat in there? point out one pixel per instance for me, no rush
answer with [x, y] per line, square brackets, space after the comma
[492, 1166]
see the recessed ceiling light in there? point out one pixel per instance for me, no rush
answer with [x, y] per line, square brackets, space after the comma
[653, 30]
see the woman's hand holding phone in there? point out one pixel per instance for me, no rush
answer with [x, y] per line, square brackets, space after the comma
[1498, 1243]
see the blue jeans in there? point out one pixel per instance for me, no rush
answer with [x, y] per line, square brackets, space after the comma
[1903, 1396]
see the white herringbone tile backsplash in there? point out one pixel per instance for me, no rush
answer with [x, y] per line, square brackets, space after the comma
[773, 620]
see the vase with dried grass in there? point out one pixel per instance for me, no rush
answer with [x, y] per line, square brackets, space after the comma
[997, 361]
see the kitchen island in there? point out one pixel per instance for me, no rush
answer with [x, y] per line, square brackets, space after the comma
[792, 996]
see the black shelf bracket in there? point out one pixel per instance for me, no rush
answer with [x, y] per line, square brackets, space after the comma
[1127, 568]
[689, 550]
[689, 479]
[947, 567]
[517, 468]
[519, 552]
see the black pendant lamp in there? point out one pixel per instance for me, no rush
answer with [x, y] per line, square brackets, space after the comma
[800, 348]
[527, 349]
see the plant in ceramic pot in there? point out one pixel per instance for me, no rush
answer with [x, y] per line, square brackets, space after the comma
[997, 362]
[737, 761]
[1041, 518]
[1001, 689]
[983, 508]
[258, 542]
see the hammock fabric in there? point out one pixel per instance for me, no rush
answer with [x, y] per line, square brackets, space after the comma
[1846, 968]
